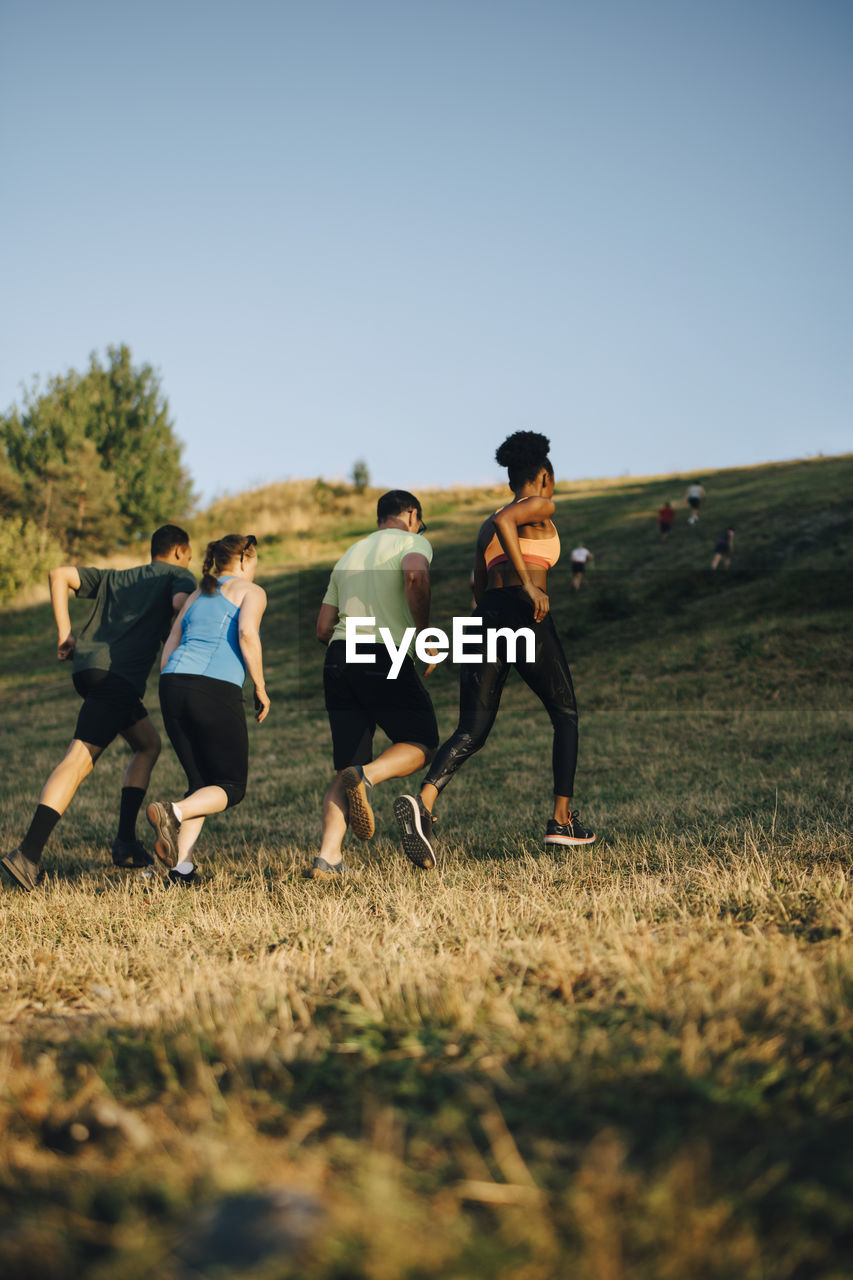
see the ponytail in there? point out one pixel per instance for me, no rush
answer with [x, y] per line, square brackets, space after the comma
[219, 555]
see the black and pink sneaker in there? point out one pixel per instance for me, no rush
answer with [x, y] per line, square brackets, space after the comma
[571, 832]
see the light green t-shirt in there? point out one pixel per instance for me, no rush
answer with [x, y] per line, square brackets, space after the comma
[367, 582]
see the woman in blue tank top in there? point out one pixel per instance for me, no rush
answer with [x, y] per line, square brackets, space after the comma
[214, 642]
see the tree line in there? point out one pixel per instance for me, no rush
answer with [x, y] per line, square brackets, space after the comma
[89, 462]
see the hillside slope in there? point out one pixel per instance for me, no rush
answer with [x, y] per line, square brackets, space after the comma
[631, 1060]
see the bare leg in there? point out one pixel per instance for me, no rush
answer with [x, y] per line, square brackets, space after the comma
[144, 741]
[194, 809]
[562, 807]
[334, 822]
[396, 761]
[187, 836]
[429, 795]
[203, 802]
[74, 768]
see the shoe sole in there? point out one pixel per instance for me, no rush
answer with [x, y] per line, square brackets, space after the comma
[361, 820]
[415, 844]
[328, 871]
[164, 847]
[569, 840]
[18, 878]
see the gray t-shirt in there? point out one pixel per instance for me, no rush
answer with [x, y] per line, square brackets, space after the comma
[130, 619]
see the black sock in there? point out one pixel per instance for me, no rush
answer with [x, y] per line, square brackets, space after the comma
[44, 820]
[131, 803]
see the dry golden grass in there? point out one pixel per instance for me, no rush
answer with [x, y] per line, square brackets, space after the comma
[408, 1029]
[628, 1062]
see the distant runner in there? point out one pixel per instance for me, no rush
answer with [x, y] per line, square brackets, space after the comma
[580, 558]
[723, 549]
[666, 515]
[694, 495]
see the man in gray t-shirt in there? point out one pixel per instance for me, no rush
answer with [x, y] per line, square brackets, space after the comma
[112, 656]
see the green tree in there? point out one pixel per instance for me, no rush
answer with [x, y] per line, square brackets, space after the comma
[11, 489]
[96, 456]
[25, 556]
[360, 475]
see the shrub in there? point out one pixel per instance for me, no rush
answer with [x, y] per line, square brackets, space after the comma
[26, 555]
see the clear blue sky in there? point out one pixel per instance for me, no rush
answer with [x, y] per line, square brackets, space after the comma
[400, 229]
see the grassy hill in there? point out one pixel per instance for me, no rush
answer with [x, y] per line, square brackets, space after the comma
[633, 1060]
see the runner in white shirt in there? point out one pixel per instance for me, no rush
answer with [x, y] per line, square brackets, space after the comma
[695, 494]
[580, 555]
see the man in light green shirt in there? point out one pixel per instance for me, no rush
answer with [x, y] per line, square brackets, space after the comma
[383, 581]
[369, 581]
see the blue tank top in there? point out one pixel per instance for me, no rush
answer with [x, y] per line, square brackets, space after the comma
[210, 641]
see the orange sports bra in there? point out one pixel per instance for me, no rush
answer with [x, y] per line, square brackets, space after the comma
[544, 552]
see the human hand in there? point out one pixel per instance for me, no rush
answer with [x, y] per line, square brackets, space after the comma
[541, 603]
[262, 704]
[65, 648]
[434, 656]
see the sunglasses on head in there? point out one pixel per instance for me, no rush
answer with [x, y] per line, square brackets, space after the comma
[251, 541]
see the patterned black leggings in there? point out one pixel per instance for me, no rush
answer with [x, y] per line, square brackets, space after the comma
[481, 685]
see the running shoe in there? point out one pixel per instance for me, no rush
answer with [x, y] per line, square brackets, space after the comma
[26, 873]
[131, 854]
[571, 832]
[361, 820]
[166, 827]
[185, 879]
[414, 820]
[323, 870]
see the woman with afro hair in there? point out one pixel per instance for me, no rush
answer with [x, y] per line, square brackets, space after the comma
[515, 549]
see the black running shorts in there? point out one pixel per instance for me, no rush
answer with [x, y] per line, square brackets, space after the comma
[110, 706]
[360, 698]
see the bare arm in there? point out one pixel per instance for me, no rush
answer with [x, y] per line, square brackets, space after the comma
[507, 523]
[63, 581]
[251, 611]
[416, 587]
[327, 620]
[174, 637]
[481, 574]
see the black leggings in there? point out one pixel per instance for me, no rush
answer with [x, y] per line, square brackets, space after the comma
[481, 685]
[206, 724]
